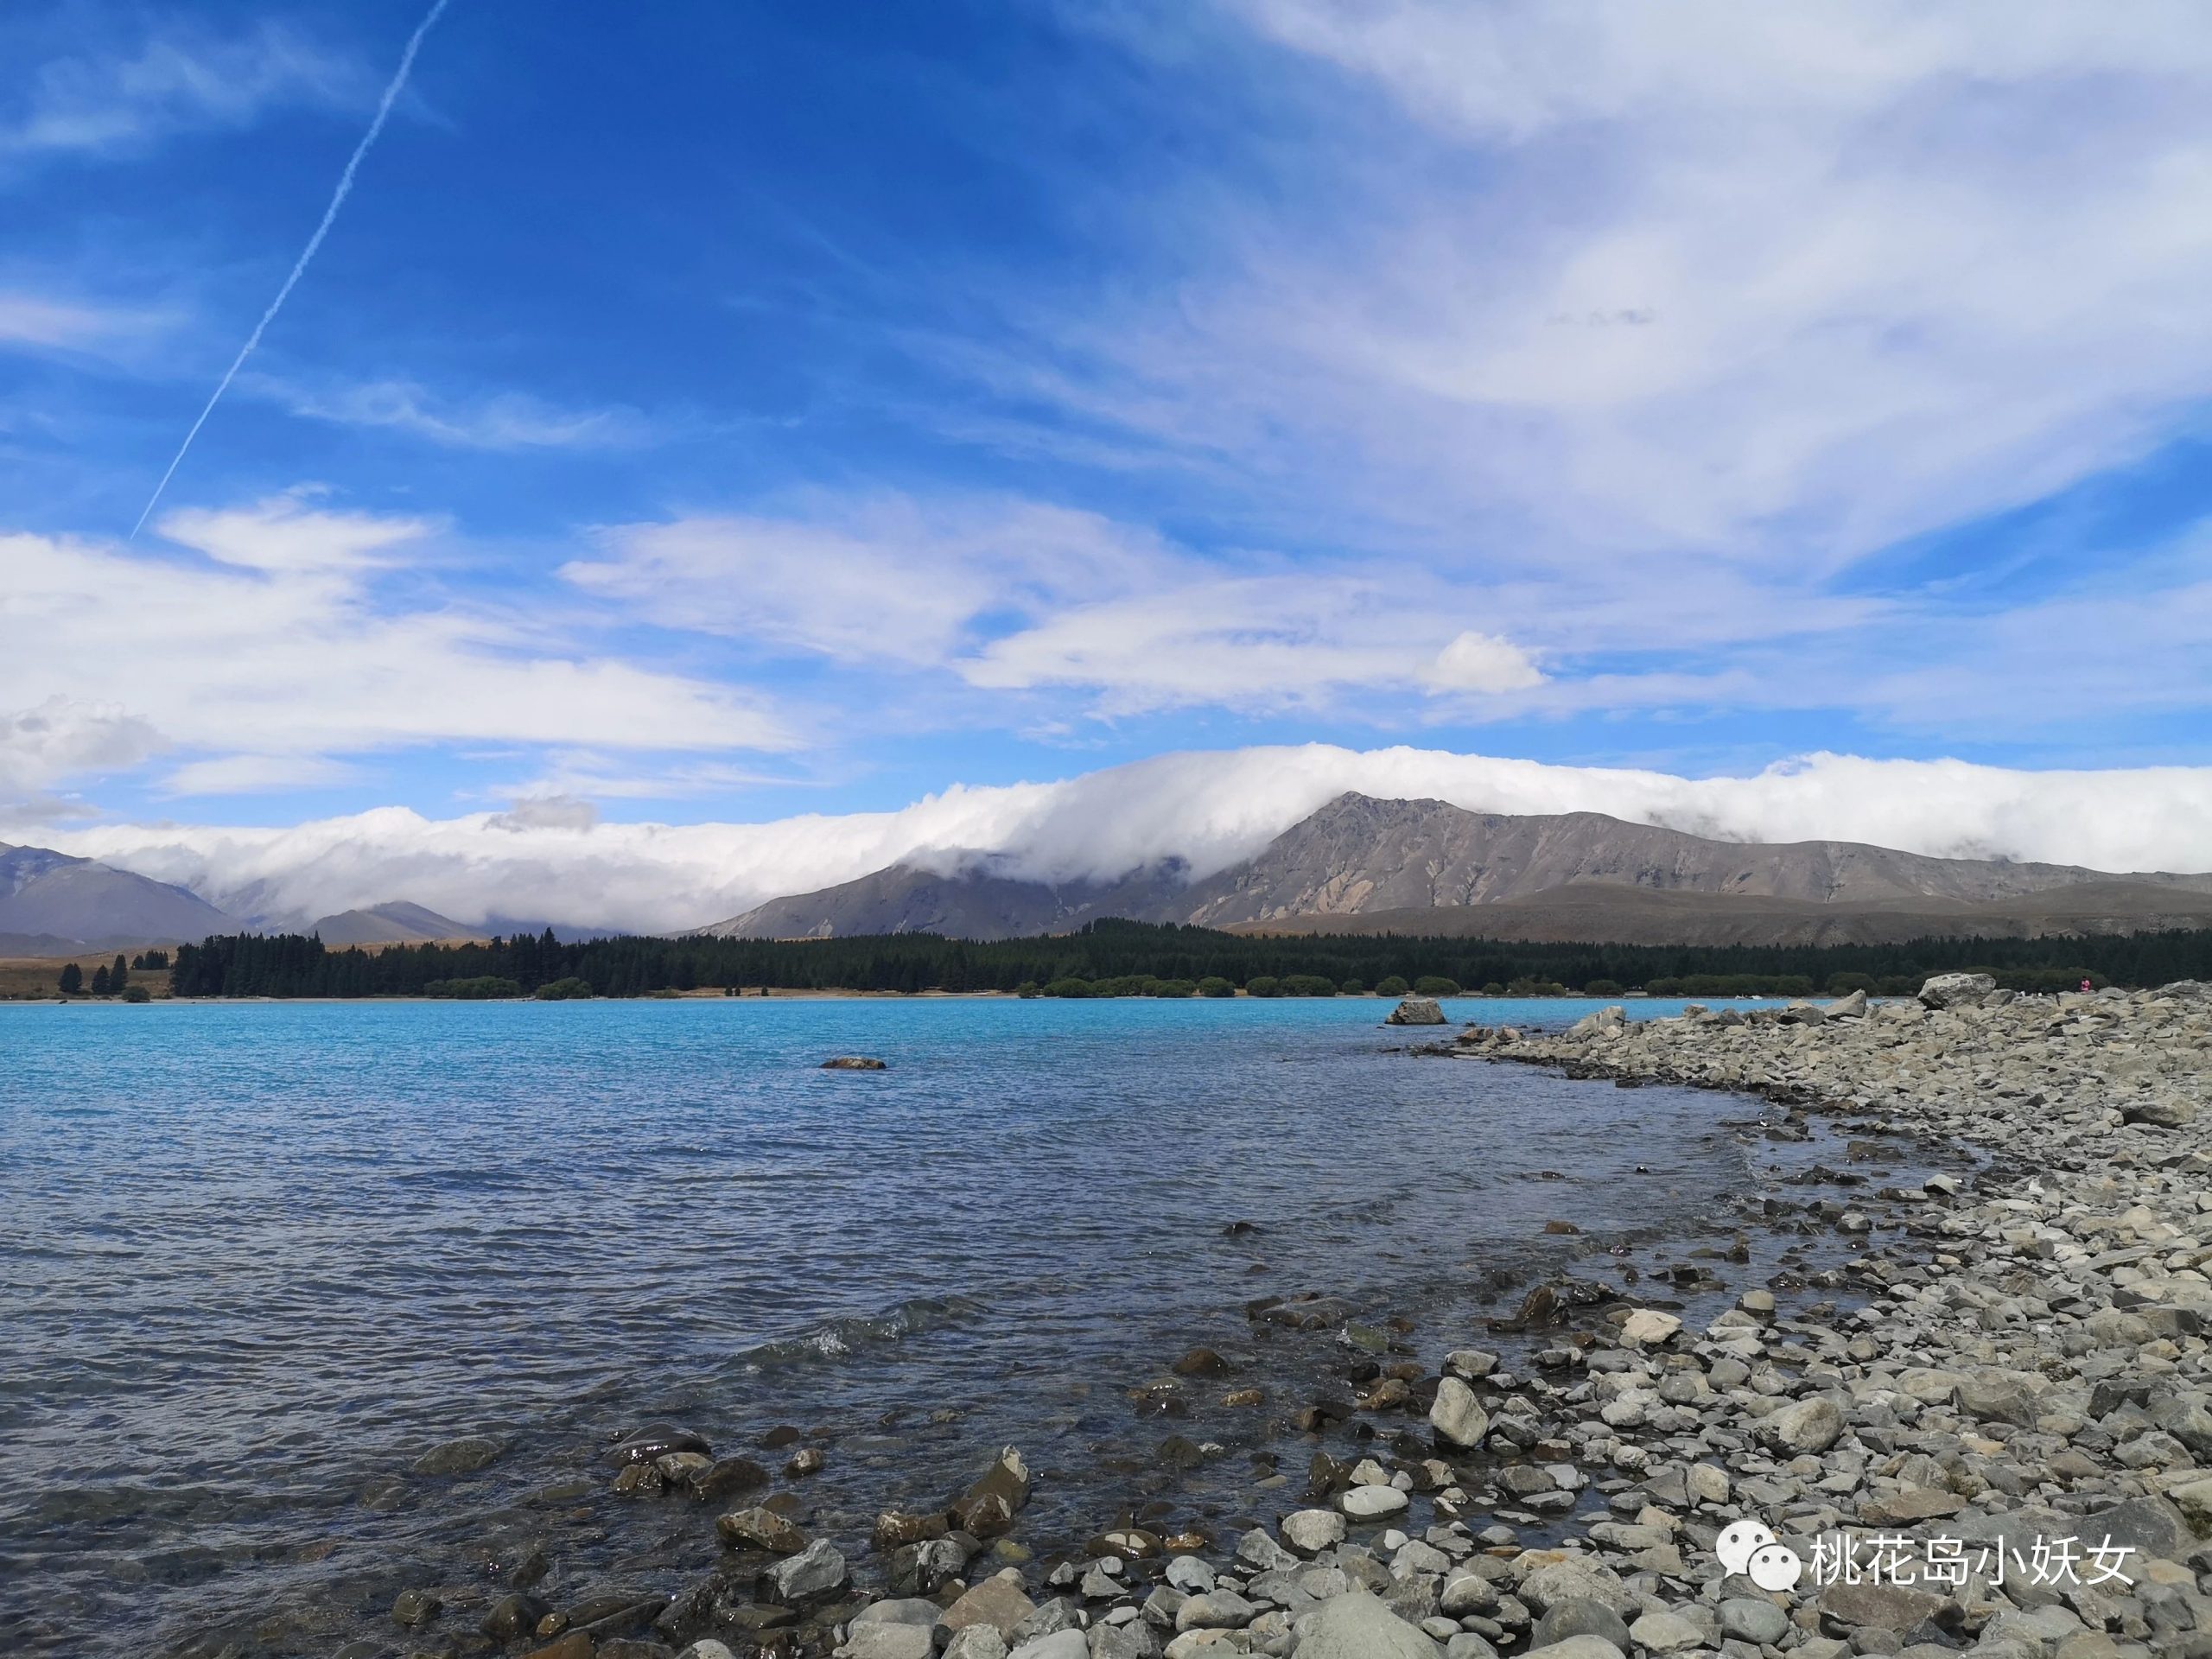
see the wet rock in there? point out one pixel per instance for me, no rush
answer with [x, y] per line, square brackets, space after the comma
[1415, 1011]
[726, 1478]
[464, 1456]
[854, 1063]
[513, 1616]
[991, 1503]
[1201, 1362]
[411, 1608]
[655, 1441]
[760, 1529]
[814, 1574]
[894, 1528]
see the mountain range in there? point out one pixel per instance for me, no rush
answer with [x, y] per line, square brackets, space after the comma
[1361, 865]
[1357, 865]
[54, 905]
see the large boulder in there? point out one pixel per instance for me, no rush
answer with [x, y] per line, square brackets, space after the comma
[1415, 1011]
[1357, 1625]
[1457, 1415]
[1955, 990]
[815, 1573]
[997, 1602]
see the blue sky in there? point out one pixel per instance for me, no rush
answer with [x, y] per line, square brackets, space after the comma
[728, 411]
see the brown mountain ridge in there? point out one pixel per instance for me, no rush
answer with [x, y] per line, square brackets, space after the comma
[1368, 866]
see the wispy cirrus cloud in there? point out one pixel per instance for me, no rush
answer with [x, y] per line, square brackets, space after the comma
[40, 321]
[499, 421]
[1710, 286]
[1013, 595]
[102, 98]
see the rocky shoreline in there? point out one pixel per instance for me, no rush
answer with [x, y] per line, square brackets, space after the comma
[2012, 1360]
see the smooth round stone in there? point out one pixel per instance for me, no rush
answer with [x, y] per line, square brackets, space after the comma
[1372, 1502]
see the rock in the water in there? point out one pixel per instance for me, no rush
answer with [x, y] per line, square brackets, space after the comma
[815, 1573]
[462, 1457]
[1372, 1502]
[1415, 1011]
[1457, 1415]
[1357, 1625]
[655, 1441]
[760, 1529]
[855, 1063]
[1201, 1362]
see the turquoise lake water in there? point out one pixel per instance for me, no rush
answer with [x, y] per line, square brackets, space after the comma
[260, 1256]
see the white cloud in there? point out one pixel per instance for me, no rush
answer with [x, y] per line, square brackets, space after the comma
[287, 649]
[64, 738]
[1016, 595]
[1211, 809]
[256, 774]
[883, 580]
[35, 320]
[1708, 281]
[102, 102]
[1482, 662]
[285, 533]
[505, 421]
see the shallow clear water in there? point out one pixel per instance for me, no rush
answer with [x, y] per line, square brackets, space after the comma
[258, 1256]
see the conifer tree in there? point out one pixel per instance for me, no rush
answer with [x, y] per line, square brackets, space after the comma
[73, 979]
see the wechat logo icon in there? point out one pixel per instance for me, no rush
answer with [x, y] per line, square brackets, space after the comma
[1748, 1546]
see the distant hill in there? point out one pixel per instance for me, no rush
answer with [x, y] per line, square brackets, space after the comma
[1362, 865]
[969, 904]
[54, 905]
[397, 923]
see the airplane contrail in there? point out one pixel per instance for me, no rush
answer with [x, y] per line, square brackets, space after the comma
[299, 266]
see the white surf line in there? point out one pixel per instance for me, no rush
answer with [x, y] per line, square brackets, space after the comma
[299, 266]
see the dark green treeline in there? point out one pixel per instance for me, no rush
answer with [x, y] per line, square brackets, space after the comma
[290, 965]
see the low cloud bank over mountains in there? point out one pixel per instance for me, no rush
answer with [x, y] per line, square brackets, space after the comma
[1209, 810]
